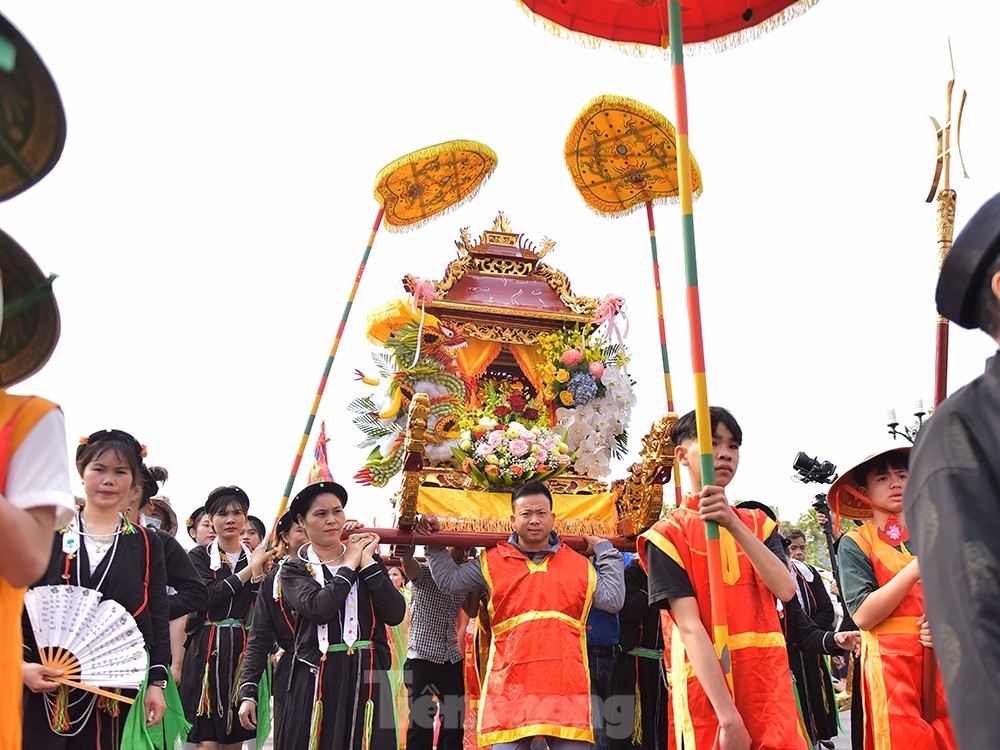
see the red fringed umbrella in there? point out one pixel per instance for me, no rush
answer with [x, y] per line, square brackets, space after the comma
[664, 23]
[718, 23]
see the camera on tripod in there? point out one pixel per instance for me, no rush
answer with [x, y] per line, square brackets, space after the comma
[811, 470]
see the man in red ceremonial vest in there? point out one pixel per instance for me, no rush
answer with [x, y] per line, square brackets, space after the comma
[880, 578]
[540, 592]
[760, 711]
[35, 493]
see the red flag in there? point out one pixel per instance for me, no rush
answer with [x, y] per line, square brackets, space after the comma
[320, 470]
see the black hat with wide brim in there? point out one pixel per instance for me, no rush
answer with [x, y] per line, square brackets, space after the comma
[302, 501]
[32, 122]
[30, 328]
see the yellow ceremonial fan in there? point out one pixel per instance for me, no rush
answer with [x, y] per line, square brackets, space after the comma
[438, 178]
[410, 190]
[622, 154]
[97, 644]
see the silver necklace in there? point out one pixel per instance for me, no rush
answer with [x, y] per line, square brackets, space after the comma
[335, 560]
[102, 542]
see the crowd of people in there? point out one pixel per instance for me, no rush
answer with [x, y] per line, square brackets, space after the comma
[318, 642]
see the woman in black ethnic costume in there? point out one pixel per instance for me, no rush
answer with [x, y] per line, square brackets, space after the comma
[272, 631]
[340, 696]
[639, 680]
[218, 635]
[806, 623]
[813, 681]
[101, 549]
[186, 592]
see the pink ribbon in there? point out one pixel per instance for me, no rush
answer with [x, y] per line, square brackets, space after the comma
[606, 312]
[423, 291]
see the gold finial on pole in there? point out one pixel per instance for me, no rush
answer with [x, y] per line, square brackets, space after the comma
[946, 199]
[943, 161]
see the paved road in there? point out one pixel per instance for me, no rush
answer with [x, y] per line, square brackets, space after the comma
[841, 742]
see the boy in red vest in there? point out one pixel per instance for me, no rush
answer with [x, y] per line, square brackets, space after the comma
[880, 578]
[703, 713]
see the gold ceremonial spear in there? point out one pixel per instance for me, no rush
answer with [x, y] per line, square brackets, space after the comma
[945, 217]
[946, 198]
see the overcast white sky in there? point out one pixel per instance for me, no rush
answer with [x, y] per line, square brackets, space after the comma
[214, 200]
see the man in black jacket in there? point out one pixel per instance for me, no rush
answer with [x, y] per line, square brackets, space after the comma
[952, 498]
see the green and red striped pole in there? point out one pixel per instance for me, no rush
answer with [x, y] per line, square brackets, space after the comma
[720, 626]
[326, 371]
[663, 338]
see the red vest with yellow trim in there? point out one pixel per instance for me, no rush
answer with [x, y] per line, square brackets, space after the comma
[892, 663]
[762, 682]
[18, 416]
[537, 680]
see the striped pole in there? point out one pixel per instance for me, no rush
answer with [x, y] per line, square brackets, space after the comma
[326, 371]
[720, 627]
[663, 339]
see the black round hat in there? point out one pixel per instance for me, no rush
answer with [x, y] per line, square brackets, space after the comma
[221, 495]
[102, 436]
[302, 501]
[284, 524]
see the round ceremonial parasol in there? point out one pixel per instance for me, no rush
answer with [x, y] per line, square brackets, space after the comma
[32, 121]
[410, 191]
[717, 24]
[621, 155]
[664, 23]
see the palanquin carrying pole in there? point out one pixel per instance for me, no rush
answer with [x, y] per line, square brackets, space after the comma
[482, 539]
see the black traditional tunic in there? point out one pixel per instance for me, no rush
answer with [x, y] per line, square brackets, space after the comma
[352, 684]
[952, 502]
[817, 698]
[132, 573]
[273, 626]
[215, 645]
[639, 673]
[187, 593]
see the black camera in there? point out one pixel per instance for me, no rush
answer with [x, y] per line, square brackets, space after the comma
[820, 505]
[811, 470]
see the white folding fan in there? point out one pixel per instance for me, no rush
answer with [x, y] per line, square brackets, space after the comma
[95, 643]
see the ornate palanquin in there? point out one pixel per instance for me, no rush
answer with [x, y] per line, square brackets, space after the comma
[502, 298]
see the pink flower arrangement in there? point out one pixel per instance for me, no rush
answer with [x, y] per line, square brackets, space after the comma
[571, 357]
[495, 454]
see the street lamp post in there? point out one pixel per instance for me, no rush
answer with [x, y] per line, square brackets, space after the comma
[906, 431]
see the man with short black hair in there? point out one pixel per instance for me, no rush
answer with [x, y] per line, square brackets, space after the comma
[952, 498]
[540, 592]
